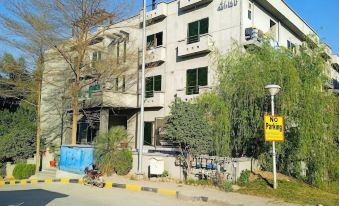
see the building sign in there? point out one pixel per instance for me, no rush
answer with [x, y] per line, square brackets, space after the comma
[225, 4]
[274, 128]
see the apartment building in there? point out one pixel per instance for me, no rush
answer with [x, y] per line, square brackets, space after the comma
[180, 38]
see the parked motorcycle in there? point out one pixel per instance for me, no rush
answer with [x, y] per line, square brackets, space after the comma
[93, 177]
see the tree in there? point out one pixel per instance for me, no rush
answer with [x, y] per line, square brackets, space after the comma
[187, 127]
[216, 114]
[17, 132]
[106, 148]
[310, 117]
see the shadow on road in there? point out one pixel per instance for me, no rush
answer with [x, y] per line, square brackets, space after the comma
[35, 197]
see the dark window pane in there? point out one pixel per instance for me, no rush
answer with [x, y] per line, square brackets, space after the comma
[203, 26]
[249, 15]
[150, 41]
[157, 83]
[125, 50]
[94, 56]
[148, 130]
[202, 76]
[191, 81]
[159, 39]
[149, 84]
[116, 88]
[193, 32]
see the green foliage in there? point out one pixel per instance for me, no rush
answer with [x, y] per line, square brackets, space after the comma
[216, 113]
[186, 126]
[106, 147]
[23, 171]
[310, 115]
[17, 134]
[244, 178]
[165, 174]
[122, 162]
[226, 186]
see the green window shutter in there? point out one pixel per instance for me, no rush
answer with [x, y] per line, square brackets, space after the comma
[203, 26]
[203, 76]
[123, 83]
[116, 88]
[157, 83]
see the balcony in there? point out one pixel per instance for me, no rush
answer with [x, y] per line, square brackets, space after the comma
[159, 12]
[188, 4]
[195, 45]
[191, 93]
[327, 53]
[156, 55]
[335, 62]
[253, 37]
[106, 98]
[155, 99]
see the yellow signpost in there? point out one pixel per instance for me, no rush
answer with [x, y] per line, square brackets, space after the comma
[274, 128]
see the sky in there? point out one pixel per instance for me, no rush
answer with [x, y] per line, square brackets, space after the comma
[321, 15]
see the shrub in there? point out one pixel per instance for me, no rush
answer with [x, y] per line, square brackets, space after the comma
[23, 171]
[244, 178]
[122, 162]
[106, 148]
[226, 186]
[165, 174]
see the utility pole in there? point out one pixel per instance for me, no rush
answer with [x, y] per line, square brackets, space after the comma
[141, 128]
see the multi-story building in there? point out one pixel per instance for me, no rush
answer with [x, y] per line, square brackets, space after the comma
[180, 36]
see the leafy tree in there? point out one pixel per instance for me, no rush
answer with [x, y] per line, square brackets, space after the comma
[106, 147]
[17, 134]
[186, 126]
[310, 115]
[216, 113]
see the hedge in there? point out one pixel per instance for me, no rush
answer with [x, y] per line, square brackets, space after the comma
[23, 171]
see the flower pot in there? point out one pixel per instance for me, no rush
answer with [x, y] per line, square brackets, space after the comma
[52, 163]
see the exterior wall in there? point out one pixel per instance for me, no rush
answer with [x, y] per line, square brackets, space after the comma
[226, 29]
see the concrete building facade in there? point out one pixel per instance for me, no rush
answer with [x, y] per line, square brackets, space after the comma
[181, 36]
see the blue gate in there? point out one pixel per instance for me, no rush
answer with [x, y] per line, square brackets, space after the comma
[75, 158]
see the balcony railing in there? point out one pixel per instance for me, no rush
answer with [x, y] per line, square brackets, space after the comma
[195, 45]
[188, 4]
[156, 55]
[158, 11]
[155, 99]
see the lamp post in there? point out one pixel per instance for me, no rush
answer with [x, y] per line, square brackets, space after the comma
[273, 90]
[141, 131]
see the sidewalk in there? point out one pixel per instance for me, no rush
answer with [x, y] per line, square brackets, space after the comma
[214, 195]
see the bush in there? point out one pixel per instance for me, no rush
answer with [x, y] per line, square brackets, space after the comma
[106, 148]
[122, 162]
[244, 178]
[227, 186]
[23, 171]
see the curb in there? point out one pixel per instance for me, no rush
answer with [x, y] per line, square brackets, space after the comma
[130, 187]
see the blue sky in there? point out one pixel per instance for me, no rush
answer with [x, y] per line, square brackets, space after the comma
[321, 15]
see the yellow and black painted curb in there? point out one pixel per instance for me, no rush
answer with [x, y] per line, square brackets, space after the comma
[131, 187]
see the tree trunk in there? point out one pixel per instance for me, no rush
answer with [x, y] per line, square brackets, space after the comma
[75, 119]
[38, 128]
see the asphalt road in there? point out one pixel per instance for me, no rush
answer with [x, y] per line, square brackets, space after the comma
[75, 195]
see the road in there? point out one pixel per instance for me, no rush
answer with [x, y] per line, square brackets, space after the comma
[75, 195]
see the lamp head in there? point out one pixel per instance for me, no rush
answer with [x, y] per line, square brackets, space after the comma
[273, 89]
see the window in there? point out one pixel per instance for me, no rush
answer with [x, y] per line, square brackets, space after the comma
[96, 56]
[148, 133]
[291, 46]
[249, 12]
[195, 78]
[155, 40]
[152, 84]
[118, 87]
[195, 29]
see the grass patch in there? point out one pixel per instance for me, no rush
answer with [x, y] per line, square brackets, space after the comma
[292, 191]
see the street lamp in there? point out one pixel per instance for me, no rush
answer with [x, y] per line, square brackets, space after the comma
[273, 90]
